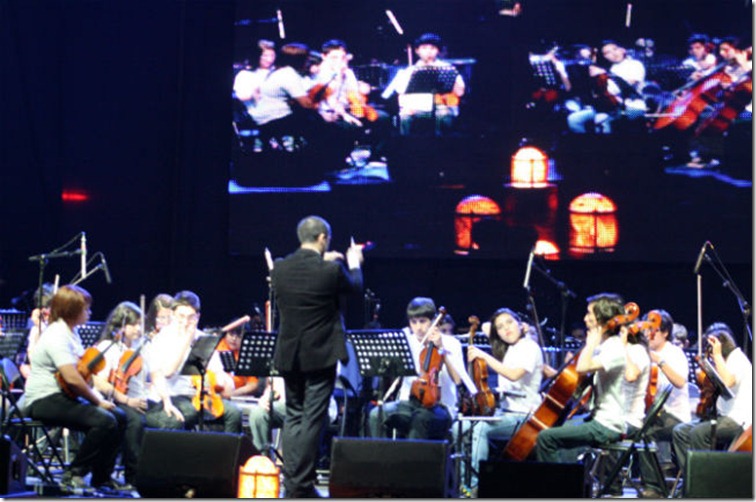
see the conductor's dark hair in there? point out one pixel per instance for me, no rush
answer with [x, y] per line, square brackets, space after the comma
[310, 228]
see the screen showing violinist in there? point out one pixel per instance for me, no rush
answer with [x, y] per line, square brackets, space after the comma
[461, 129]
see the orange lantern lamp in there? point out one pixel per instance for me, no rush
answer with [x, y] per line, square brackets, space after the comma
[593, 224]
[470, 211]
[259, 478]
[529, 168]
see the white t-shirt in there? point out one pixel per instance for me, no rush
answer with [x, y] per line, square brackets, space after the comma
[56, 347]
[248, 83]
[527, 355]
[164, 346]
[607, 384]
[277, 89]
[635, 392]
[137, 385]
[452, 349]
[739, 407]
[678, 402]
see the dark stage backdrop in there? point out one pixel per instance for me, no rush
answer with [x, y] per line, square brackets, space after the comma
[127, 104]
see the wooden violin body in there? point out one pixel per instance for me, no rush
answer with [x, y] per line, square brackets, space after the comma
[483, 403]
[208, 399]
[425, 388]
[90, 363]
[129, 365]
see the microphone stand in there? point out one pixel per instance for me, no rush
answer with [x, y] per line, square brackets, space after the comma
[81, 278]
[270, 315]
[566, 292]
[729, 283]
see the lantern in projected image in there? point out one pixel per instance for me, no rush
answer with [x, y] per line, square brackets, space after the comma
[546, 249]
[259, 478]
[593, 224]
[529, 169]
[470, 211]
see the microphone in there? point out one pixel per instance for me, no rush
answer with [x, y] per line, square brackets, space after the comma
[394, 22]
[701, 255]
[268, 259]
[281, 31]
[526, 282]
[105, 269]
[83, 248]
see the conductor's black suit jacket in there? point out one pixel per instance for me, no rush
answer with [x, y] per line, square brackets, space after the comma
[307, 290]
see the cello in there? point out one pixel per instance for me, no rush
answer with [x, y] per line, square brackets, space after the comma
[564, 390]
[425, 388]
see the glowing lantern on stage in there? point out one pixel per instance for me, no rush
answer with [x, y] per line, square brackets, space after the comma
[470, 211]
[529, 168]
[259, 478]
[593, 224]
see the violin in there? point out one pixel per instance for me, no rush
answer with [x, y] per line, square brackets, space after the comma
[484, 402]
[425, 388]
[90, 363]
[321, 91]
[359, 108]
[652, 322]
[129, 365]
[207, 398]
[706, 407]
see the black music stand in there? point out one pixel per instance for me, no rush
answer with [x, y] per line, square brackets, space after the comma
[544, 71]
[90, 332]
[256, 359]
[432, 80]
[196, 364]
[383, 354]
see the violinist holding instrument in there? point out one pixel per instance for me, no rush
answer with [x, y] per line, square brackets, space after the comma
[413, 416]
[671, 365]
[169, 352]
[518, 360]
[734, 414]
[604, 356]
[123, 377]
[59, 351]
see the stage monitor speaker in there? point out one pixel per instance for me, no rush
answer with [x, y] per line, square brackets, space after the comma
[512, 479]
[178, 464]
[389, 468]
[718, 474]
[12, 467]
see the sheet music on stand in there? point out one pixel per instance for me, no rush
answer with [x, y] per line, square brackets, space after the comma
[200, 353]
[432, 79]
[544, 71]
[90, 332]
[381, 352]
[256, 354]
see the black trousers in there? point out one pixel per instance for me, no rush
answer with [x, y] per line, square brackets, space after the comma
[104, 432]
[307, 397]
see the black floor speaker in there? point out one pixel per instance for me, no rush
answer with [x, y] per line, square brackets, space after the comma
[178, 464]
[502, 479]
[12, 467]
[389, 468]
[719, 474]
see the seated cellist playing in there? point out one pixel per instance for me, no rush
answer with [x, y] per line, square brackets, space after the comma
[58, 393]
[604, 356]
[518, 361]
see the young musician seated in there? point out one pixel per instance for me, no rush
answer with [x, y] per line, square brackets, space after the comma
[604, 356]
[170, 350]
[733, 415]
[408, 415]
[57, 394]
[417, 107]
[518, 361]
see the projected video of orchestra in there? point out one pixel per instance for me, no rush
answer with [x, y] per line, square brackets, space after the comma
[588, 130]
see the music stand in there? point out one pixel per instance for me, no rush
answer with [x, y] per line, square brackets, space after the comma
[381, 353]
[432, 80]
[256, 359]
[90, 332]
[544, 71]
[196, 364]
